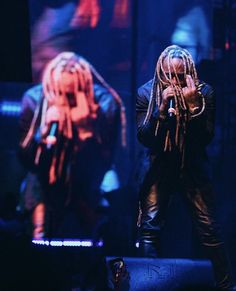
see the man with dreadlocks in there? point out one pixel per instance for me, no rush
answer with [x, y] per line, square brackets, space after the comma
[175, 121]
[68, 131]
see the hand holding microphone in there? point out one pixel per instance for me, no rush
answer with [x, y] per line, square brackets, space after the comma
[52, 123]
[171, 109]
[80, 114]
[168, 103]
[51, 139]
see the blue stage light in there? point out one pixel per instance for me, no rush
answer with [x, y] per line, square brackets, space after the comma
[11, 108]
[68, 243]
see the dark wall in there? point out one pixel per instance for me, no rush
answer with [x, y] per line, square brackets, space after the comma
[15, 52]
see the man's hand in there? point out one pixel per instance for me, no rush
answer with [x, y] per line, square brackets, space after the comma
[54, 113]
[190, 93]
[82, 117]
[80, 114]
[167, 94]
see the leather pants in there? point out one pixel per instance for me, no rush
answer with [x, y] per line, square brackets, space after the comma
[154, 201]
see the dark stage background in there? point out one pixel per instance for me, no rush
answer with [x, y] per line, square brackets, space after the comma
[123, 39]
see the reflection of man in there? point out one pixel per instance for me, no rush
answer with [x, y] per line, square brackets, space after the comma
[68, 129]
[175, 120]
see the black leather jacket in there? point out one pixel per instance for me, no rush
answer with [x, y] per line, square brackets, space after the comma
[87, 164]
[199, 133]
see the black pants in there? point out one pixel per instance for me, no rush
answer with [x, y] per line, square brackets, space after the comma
[154, 200]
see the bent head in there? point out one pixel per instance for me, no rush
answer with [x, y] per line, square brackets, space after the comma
[173, 65]
[65, 76]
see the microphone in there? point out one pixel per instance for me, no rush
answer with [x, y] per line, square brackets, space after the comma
[51, 139]
[171, 109]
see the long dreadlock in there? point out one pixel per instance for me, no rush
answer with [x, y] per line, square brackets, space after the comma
[54, 92]
[161, 80]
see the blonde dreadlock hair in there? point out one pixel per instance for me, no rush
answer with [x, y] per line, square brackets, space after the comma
[54, 92]
[161, 80]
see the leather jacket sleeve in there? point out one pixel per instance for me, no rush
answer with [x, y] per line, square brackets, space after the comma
[200, 130]
[108, 124]
[27, 150]
[146, 131]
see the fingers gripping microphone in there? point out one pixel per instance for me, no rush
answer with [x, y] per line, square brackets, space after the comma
[51, 139]
[171, 109]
